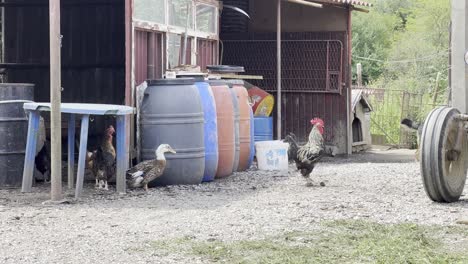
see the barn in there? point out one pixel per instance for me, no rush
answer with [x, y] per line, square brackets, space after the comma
[315, 61]
[111, 46]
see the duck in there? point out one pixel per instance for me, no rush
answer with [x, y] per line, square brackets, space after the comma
[147, 171]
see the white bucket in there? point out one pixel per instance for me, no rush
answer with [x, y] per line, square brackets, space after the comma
[272, 155]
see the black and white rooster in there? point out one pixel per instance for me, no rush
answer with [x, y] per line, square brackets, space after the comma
[307, 156]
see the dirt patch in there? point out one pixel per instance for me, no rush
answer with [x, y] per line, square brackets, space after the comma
[108, 228]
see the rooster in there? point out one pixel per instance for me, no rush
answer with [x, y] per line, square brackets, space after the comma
[307, 156]
[102, 160]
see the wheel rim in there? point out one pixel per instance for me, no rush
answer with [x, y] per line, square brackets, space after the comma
[453, 169]
[443, 175]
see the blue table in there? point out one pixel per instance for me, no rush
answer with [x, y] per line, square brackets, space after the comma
[84, 111]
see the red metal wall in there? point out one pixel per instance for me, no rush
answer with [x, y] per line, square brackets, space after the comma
[206, 55]
[149, 57]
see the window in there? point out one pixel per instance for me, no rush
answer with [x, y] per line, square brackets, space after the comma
[206, 18]
[180, 13]
[175, 50]
[151, 10]
[175, 18]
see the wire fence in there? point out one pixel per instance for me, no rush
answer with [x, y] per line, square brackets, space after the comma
[389, 107]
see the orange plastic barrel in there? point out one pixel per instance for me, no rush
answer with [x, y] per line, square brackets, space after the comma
[225, 119]
[244, 126]
[263, 102]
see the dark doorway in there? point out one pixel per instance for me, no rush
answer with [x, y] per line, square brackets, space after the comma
[357, 130]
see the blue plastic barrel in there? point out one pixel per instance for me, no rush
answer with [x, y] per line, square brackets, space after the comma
[211, 130]
[263, 128]
[252, 135]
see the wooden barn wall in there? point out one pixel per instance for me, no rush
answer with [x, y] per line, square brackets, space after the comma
[298, 106]
[93, 49]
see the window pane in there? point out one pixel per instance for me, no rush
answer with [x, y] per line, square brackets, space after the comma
[206, 18]
[173, 49]
[150, 10]
[178, 13]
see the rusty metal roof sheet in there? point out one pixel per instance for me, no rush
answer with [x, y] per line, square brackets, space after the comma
[349, 2]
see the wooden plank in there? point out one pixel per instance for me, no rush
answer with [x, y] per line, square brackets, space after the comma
[55, 99]
[235, 76]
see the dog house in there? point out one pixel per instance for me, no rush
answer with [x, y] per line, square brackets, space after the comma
[361, 111]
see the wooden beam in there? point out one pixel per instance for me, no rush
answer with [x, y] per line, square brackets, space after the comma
[55, 99]
[306, 3]
[30, 3]
[353, 8]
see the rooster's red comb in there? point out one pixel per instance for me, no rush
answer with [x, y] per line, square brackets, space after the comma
[317, 121]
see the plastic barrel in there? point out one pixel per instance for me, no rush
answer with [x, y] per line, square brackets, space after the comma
[225, 120]
[235, 103]
[210, 130]
[16, 91]
[244, 126]
[14, 131]
[172, 113]
[252, 136]
[263, 128]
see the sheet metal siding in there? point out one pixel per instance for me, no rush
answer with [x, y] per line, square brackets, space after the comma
[148, 44]
[299, 107]
[206, 54]
[93, 50]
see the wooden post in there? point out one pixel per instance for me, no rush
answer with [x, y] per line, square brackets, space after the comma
[436, 90]
[359, 74]
[278, 70]
[459, 45]
[55, 99]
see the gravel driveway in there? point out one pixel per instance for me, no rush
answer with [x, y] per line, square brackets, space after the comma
[382, 187]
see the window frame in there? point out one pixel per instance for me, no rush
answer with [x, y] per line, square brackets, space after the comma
[194, 33]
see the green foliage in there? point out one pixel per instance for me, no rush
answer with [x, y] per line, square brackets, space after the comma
[403, 41]
[403, 45]
[332, 242]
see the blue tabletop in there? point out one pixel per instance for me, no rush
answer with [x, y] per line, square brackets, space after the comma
[85, 109]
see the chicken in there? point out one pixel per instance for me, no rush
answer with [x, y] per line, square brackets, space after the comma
[307, 156]
[147, 171]
[42, 161]
[102, 160]
[42, 158]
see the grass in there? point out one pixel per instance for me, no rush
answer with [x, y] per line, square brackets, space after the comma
[334, 242]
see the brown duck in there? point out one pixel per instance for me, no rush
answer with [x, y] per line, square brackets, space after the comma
[147, 171]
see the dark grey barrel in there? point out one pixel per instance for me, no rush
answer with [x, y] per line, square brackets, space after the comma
[16, 91]
[13, 131]
[172, 113]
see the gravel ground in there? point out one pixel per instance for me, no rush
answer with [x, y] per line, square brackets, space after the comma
[103, 227]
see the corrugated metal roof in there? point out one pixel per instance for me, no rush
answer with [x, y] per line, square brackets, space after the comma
[349, 2]
[358, 96]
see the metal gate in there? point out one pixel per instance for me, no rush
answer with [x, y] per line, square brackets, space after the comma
[313, 80]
